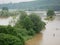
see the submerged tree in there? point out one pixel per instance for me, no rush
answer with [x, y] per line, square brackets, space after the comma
[50, 14]
[4, 11]
[5, 8]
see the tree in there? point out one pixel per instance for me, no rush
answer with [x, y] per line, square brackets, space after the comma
[50, 13]
[5, 8]
[28, 24]
[22, 15]
[20, 21]
[4, 11]
[37, 22]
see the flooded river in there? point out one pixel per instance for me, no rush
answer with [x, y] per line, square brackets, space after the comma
[50, 36]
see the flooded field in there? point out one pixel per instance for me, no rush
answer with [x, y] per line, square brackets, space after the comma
[50, 36]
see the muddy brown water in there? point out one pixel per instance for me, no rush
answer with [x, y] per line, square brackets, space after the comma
[35, 40]
[50, 36]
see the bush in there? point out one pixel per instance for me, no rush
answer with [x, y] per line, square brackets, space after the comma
[23, 32]
[7, 30]
[50, 15]
[31, 32]
[7, 39]
[12, 31]
[20, 21]
[38, 24]
[28, 24]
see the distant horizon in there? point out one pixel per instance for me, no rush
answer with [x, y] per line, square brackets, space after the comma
[13, 1]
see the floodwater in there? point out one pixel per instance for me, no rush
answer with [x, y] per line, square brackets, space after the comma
[8, 21]
[36, 40]
[50, 36]
[5, 21]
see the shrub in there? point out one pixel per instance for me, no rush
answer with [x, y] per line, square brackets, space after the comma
[31, 32]
[12, 31]
[7, 39]
[38, 24]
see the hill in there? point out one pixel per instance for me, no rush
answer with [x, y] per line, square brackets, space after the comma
[34, 5]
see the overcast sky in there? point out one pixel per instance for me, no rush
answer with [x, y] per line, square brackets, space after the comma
[13, 1]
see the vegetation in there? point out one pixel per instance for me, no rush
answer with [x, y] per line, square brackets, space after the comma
[50, 15]
[26, 27]
[34, 5]
[6, 13]
[7, 39]
[38, 24]
[5, 8]
[31, 21]
[10, 36]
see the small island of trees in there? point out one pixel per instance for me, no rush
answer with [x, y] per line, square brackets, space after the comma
[50, 15]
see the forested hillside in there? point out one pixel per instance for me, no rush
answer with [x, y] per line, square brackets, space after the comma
[34, 5]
